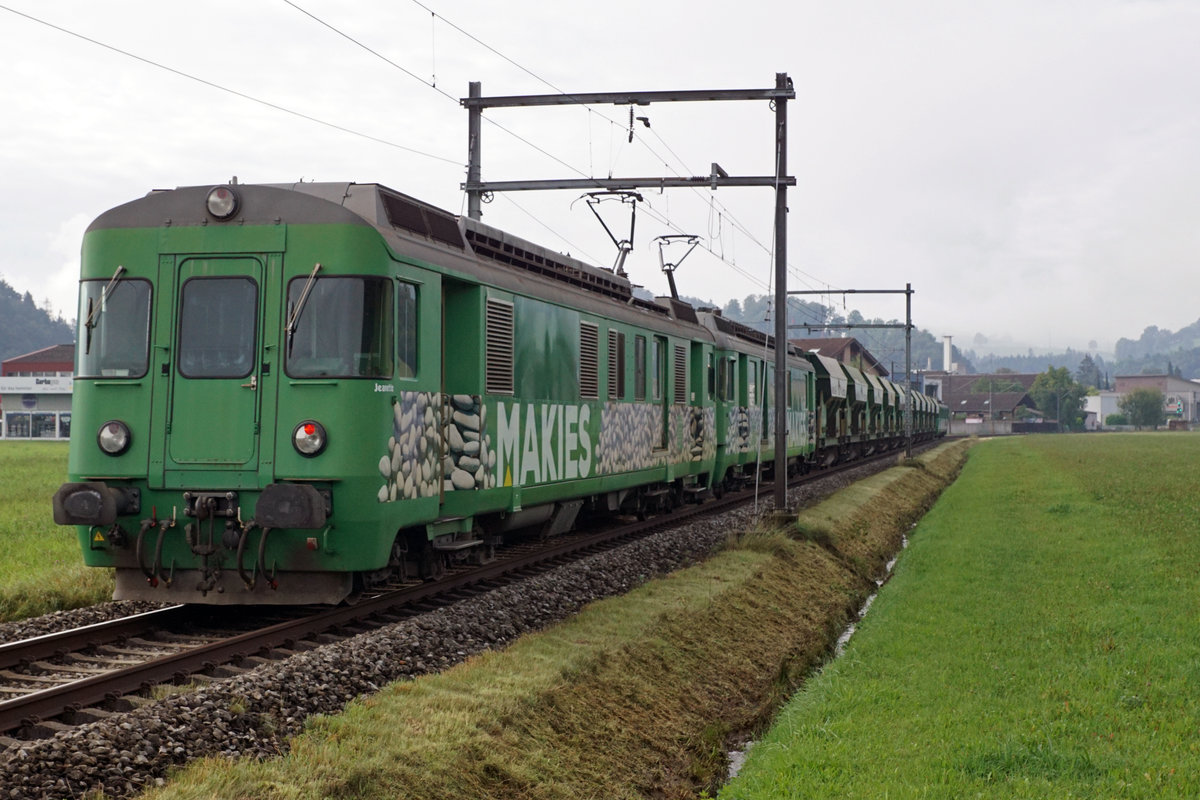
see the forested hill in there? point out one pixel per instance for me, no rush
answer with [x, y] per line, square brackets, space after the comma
[1161, 351]
[24, 327]
[1156, 341]
[1157, 351]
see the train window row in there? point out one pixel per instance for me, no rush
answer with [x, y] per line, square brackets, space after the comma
[367, 327]
[345, 327]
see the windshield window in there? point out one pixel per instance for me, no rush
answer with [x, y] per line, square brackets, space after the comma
[218, 318]
[116, 341]
[345, 329]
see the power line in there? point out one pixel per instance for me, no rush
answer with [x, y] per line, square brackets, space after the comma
[227, 90]
[616, 124]
[663, 219]
[804, 277]
[377, 54]
[657, 215]
[430, 85]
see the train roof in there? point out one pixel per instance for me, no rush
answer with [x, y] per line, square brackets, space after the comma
[423, 231]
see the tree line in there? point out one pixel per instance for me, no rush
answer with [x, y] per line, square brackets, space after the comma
[25, 328]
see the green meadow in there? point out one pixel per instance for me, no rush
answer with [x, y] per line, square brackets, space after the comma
[634, 697]
[40, 566]
[1040, 638]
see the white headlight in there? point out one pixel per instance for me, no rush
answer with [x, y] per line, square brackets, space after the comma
[114, 437]
[222, 202]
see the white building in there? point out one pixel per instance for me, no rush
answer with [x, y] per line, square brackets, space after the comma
[35, 394]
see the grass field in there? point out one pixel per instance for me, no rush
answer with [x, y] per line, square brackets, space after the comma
[633, 698]
[40, 566]
[1040, 638]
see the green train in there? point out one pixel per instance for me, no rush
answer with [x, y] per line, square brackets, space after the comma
[286, 394]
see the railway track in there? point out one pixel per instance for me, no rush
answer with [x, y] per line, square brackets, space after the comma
[52, 682]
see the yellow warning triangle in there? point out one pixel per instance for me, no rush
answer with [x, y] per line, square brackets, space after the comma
[98, 537]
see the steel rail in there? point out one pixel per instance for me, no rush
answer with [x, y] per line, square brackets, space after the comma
[61, 642]
[48, 703]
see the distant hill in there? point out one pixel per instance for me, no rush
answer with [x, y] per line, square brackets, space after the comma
[1159, 351]
[1156, 341]
[24, 327]
[886, 344]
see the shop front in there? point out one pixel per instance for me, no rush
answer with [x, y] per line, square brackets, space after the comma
[35, 408]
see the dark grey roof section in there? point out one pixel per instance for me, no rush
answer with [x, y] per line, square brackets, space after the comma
[384, 208]
[502, 247]
[259, 205]
[716, 322]
[678, 308]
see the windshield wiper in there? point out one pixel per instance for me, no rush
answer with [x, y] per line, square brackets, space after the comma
[96, 309]
[294, 317]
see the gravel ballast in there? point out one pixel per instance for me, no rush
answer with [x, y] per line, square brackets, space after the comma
[256, 713]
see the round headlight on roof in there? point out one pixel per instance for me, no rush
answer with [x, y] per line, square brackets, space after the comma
[114, 437]
[222, 202]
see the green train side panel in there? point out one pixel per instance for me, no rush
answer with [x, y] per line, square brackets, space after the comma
[545, 442]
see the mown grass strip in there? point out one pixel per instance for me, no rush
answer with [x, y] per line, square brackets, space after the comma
[41, 569]
[1039, 639]
[634, 697]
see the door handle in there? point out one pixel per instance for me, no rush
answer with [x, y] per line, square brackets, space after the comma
[252, 385]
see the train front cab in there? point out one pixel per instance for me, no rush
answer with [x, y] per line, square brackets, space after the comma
[239, 376]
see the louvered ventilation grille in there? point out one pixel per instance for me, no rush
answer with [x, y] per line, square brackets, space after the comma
[589, 361]
[614, 364]
[499, 368]
[680, 374]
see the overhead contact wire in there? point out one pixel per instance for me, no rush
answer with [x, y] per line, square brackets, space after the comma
[227, 90]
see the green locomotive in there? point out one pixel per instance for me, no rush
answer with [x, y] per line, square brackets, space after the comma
[287, 393]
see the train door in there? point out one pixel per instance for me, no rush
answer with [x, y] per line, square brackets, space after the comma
[465, 336]
[662, 393]
[768, 408]
[214, 403]
[768, 399]
[700, 389]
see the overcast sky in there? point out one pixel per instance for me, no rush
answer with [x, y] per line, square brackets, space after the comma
[1031, 167]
